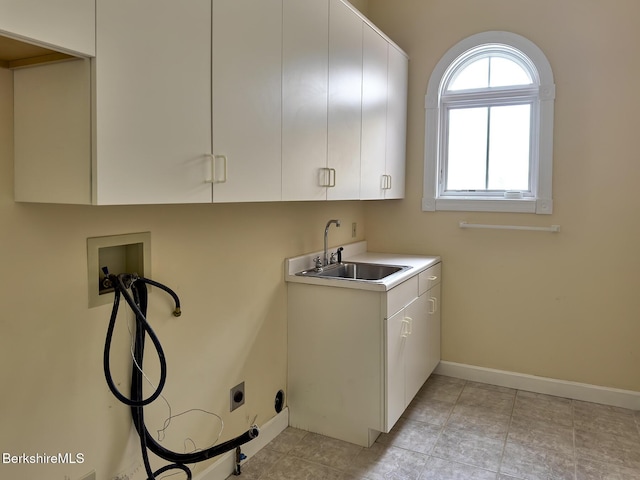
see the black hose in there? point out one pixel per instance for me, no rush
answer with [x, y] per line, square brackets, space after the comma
[142, 326]
[139, 305]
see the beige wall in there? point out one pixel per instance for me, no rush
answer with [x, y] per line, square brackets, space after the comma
[562, 306]
[226, 263]
[362, 5]
[556, 305]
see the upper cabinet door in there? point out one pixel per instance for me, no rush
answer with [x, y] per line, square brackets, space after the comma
[64, 25]
[374, 114]
[304, 98]
[396, 123]
[153, 102]
[345, 101]
[247, 99]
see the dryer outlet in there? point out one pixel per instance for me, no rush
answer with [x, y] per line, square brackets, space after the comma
[237, 396]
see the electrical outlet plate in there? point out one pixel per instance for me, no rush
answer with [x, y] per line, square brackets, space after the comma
[237, 396]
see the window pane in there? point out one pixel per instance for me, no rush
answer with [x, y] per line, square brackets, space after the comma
[467, 149]
[507, 72]
[474, 75]
[509, 147]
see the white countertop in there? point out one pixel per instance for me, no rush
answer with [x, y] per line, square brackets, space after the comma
[357, 252]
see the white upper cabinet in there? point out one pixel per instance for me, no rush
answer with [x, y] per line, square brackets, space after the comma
[304, 98]
[344, 103]
[131, 126]
[396, 123]
[153, 102]
[63, 25]
[213, 101]
[374, 114]
[384, 118]
[247, 100]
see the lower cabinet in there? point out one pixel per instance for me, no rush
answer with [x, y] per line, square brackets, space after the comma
[412, 351]
[358, 357]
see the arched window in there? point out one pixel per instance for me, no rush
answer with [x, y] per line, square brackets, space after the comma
[489, 127]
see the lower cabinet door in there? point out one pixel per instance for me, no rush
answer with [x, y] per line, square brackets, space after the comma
[417, 349]
[433, 346]
[396, 339]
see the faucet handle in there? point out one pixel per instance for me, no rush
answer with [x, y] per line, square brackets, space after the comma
[332, 259]
[318, 263]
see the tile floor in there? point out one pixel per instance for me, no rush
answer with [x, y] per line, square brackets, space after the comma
[456, 429]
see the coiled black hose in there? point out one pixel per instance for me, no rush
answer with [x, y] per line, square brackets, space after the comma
[138, 304]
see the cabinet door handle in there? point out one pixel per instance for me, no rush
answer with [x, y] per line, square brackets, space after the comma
[433, 278]
[224, 168]
[434, 305]
[214, 159]
[405, 331]
[327, 177]
[386, 182]
[324, 177]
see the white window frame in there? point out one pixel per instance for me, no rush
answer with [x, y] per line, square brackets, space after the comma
[542, 94]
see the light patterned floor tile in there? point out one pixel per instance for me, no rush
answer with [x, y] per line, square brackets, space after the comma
[415, 436]
[546, 408]
[593, 417]
[537, 463]
[456, 429]
[443, 389]
[294, 468]
[473, 418]
[384, 462]
[464, 446]
[287, 440]
[607, 448]
[326, 451]
[439, 469]
[540, 433]
[424, 409]
[497, 400]
[588, 470]
[258, 465]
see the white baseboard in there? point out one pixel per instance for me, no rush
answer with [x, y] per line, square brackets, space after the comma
[531, 383]
[226, 463]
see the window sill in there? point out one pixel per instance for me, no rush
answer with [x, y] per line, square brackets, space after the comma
[488, 204]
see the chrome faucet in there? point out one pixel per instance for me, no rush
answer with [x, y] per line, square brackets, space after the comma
[326, 234]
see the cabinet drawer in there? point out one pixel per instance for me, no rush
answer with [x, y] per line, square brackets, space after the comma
[430, 277]
[401, 296]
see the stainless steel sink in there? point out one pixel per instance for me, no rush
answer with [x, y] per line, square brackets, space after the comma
[363, 272]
